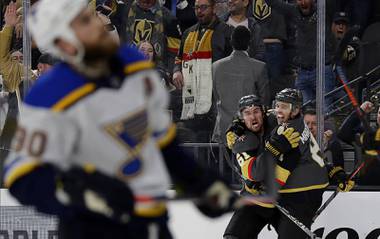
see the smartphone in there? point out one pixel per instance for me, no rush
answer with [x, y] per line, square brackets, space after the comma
[104, 10]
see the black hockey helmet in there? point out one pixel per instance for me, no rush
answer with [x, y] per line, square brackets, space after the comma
[248, 101]
[289, 95]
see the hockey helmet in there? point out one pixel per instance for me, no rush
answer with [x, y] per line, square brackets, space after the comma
[50, 19]
[248, 101]
[289, 95]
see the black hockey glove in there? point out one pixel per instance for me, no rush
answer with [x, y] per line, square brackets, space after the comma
[217, 200]
[237, 127]
[253, 187]
[371, 142]
[283, 141]
[339, 177]
[95, 192]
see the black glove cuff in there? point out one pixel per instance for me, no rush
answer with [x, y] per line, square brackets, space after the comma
[334, 171]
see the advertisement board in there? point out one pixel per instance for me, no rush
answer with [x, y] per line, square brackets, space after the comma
[353, 215]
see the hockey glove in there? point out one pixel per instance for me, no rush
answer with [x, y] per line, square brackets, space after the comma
[283, 141]
[371, 142]
[338, 176]
[95, 192]
[217, 200]
[253, 187]
[235, 130]
[237, 127]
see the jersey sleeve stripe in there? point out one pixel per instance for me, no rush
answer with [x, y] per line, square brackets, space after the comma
[302, 189]
[165, 138]
[73, 97]
[250, 167]
[138, 66]
[282, 174]
[20, 171]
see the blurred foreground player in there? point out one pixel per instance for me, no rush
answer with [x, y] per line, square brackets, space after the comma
[95, 145]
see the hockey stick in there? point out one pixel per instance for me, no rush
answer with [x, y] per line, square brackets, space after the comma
[242, 201]
[328, 201]
[355, 104]
[284, 211]
[297, 222]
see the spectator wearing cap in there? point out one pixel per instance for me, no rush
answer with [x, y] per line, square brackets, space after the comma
[45, 62]
[235, 76]
[339, 25]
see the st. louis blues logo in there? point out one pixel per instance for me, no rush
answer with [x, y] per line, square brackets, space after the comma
[131, 133]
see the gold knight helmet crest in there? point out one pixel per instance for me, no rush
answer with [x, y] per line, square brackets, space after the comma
[261, 9]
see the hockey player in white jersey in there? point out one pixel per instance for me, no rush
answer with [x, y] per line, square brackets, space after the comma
[95, 145]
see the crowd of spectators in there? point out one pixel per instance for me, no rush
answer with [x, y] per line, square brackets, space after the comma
[208, 61]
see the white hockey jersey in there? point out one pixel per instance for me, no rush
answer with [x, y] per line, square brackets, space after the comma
[68, 120]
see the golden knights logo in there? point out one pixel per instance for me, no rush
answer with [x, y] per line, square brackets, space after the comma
[261, 10]
[142, 30]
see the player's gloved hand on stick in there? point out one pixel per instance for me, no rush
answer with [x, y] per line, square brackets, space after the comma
[96, 192]
[338, 176]
[217, 200]
[283, 141]
[371, 141]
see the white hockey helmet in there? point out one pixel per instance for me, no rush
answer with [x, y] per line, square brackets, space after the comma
[50, 19]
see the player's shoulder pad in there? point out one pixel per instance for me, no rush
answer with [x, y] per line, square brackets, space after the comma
[59, 88]
[133, 60]
[249, 142]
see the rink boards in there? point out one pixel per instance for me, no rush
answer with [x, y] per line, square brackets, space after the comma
[351, 215]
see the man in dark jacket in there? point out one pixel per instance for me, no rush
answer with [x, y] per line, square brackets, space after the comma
[235, 76]
[348, 131]
[238, 17]
[305, 17]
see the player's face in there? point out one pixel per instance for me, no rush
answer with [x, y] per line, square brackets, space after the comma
[147, 49]
[311, 122]
[253, 118]
[378, 117]
[204, 11]
[97, 41]
[305, 6]
[283, 111]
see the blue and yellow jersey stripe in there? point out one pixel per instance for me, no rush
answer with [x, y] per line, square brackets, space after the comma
[17, 169]
[165, 137]
[59, 89]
